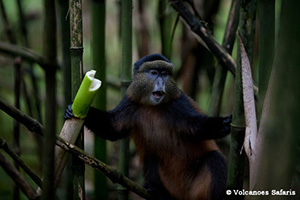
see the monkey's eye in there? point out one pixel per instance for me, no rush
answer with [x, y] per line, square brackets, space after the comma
[164, 73]
[153, 72]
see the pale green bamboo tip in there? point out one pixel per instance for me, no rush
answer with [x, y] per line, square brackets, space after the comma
[85, 94]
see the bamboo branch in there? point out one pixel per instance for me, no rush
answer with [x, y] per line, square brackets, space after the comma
[17, 178]
[30, 123]
[27, 54]
[224, 58]
[20, 162]
[111, 173]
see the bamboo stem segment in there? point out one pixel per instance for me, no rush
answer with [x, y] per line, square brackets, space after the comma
[72, 127]
[85, 94]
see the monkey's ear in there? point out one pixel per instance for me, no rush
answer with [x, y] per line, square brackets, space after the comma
[149, 58]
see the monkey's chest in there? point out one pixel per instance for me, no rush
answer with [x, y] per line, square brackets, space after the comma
[153, 133]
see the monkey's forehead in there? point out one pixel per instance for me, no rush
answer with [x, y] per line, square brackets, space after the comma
[158, 65]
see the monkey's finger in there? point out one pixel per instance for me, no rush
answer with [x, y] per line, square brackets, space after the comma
[68, 112]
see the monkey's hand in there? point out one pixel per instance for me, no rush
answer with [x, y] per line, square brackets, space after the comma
[68, 112]
[226, 125]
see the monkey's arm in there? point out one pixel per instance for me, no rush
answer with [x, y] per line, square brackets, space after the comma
[197, 126]
[103, 124]
[110, 125]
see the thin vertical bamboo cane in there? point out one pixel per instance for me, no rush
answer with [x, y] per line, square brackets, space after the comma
[76, 77]
[16, 140]
[64, 19]
[142, 31]
[221, 72]
[247, 25]
[237, 155]
[266, 47]
[50, 105]
[36, 93]
[98, 52]
[165, 28]
[126, 37]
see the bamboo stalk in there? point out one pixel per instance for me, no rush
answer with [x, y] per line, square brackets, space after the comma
[280, 135]
[22, 23]
[237, 155]
[76, 51]
[50, 104]
[99, 62]
[165, 28]
[142, 32]
[16, 125]
[72, 127]
[7, 26]
[126, 37]
[221, 73]
[36, 94]
[65, 41]
[266, 47]
[64, 19]
[247, 26]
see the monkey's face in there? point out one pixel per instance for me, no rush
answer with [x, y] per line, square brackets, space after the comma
[153, 84]
[158, 78]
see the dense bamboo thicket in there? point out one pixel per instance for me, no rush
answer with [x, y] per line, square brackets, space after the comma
[232, 57]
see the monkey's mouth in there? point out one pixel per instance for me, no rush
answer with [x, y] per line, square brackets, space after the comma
[158, 94]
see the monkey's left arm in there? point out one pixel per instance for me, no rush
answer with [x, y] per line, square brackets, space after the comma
[111, 125]
[197, 126]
